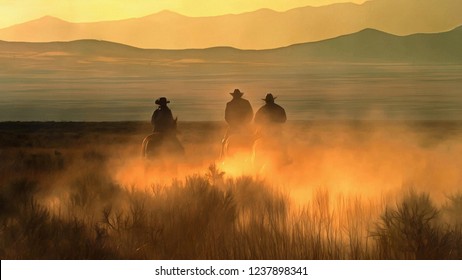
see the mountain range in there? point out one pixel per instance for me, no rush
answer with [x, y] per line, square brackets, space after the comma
[262, 29]
[366, 46]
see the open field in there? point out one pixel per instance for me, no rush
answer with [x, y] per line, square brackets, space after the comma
[367, 75]
[351, 190]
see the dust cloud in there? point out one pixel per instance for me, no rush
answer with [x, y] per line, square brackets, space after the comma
[367, 159]
[310, 180]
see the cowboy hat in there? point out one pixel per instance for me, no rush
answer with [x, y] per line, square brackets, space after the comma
[236, 93]
[269, 98]
[162, 101]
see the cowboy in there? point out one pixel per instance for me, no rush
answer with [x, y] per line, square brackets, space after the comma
[238, 115]
[238, 112]
[162, 118]
[270, 113]
[269, 119]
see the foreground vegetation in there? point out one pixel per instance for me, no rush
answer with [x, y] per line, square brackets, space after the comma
[58, 201]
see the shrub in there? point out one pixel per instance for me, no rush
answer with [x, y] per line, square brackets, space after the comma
[412, 231]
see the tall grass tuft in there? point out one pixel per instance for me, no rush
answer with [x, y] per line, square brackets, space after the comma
[30, 231]
[412, 230]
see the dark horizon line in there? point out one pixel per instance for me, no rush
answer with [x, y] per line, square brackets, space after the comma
[229, 47]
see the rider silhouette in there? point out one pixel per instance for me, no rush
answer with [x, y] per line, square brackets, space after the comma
[238, 115]
[270, 113]
[238, 112]
[162, 118]
[269, 119]
[163, 141]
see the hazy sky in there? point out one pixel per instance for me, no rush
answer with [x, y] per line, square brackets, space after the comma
[18, 11]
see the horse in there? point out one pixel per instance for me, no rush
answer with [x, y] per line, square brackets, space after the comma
[162, 144]
[270, 150]
[237, 142]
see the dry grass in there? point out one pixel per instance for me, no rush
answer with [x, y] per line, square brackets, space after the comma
[60, 200]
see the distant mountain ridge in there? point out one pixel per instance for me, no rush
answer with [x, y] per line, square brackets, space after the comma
[366, 46]
[262, 29]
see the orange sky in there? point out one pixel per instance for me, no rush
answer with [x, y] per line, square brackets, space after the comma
[14, 12]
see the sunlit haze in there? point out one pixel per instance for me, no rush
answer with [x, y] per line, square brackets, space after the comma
[231, 130]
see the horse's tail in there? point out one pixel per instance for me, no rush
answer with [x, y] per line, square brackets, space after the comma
[224, 147]
[144, 146]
